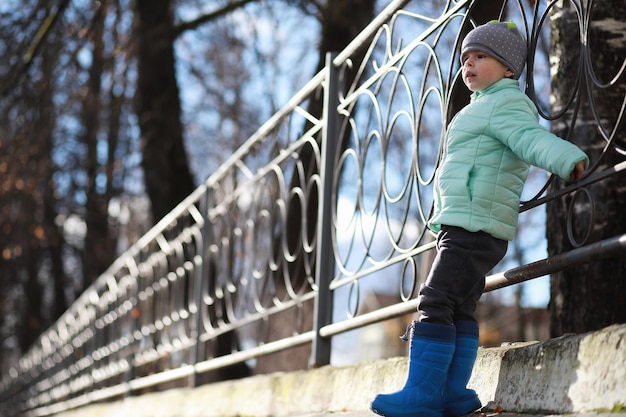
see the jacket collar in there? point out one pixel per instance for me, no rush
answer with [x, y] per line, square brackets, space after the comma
[502, 84]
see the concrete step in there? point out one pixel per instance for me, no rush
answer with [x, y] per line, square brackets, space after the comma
[481, 414]
[582, 375]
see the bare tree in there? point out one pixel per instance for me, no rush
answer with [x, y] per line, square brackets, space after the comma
[99, 247]
[30, 242]
[63, 94]
[336, 32]
[165, 164]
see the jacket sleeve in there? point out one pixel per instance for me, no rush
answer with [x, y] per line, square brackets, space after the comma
[514, 121]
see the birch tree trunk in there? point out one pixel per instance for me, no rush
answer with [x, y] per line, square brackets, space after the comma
[592, 296]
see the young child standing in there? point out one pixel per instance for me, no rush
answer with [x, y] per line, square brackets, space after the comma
[488, 149]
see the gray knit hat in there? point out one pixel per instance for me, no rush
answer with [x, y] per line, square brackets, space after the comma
[501, 40]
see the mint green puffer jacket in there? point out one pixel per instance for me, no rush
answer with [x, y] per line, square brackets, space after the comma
[489, 147]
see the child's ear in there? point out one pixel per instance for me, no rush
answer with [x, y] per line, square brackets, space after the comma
[508, 73]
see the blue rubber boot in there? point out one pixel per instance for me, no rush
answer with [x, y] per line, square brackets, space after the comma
[430, 354]
[458, 399]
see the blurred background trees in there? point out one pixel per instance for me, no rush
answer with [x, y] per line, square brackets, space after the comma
[113, 111]
[102, 102]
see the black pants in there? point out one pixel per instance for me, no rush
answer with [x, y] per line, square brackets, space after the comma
[457, 277]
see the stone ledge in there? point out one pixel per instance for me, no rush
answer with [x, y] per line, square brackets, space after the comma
[576, 374]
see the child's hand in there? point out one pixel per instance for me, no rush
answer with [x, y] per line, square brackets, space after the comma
[578, 171]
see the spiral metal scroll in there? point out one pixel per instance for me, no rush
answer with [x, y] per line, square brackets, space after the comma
[395, 115]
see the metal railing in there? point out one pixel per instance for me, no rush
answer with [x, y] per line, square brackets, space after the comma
[321, 202]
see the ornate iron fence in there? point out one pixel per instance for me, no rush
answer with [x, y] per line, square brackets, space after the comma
[331, 195]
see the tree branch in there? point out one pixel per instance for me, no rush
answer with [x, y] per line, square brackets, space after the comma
[192, 24]
[35, 45]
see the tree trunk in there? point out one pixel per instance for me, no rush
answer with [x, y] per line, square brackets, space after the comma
[40, 247]
[336, 33]
[99, 250]
[167, 175]
[594, 295]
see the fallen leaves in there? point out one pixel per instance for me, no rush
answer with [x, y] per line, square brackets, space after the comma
[496, 411]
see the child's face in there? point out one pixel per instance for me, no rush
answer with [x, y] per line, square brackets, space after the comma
[480, 70]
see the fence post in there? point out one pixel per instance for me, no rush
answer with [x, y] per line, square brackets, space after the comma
[200, 275]
[325, 261]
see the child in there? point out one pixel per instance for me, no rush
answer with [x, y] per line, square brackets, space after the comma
[489, 146]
